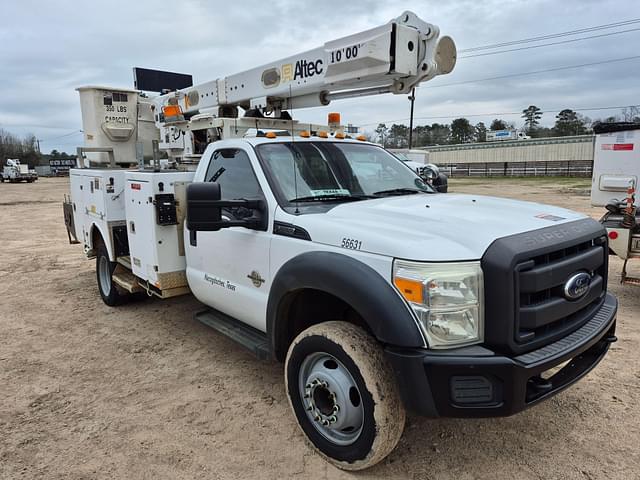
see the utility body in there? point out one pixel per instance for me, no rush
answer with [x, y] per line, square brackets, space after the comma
[329, 254]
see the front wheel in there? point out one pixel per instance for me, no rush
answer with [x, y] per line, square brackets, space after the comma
[343, 394]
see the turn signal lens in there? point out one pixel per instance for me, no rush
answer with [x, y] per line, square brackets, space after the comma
[411, 290]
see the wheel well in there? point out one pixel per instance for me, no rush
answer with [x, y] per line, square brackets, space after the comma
[96, 239]
[301, 309]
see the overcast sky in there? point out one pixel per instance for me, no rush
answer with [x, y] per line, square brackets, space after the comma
[47, 49]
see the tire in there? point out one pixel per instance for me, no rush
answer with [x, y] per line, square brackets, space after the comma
[104, 270]
[343, 394]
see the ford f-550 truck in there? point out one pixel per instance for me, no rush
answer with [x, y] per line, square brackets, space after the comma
[332, 256]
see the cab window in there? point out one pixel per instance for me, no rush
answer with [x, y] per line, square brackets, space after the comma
[231, 169]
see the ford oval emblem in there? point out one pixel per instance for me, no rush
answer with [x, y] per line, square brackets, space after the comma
[577, 286]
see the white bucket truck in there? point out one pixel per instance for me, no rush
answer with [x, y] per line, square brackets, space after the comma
[14, 171]
[327, 253]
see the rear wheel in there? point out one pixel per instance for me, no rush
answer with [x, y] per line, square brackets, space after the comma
[343, 394]
[104, 274]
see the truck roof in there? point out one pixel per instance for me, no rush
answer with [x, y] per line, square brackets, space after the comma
[259, 140]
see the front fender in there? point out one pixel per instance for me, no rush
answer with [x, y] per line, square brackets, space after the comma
[355, 283]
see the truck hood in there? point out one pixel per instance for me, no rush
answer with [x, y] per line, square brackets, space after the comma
[432, 227]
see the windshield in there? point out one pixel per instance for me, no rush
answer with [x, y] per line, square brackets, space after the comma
[325, 171]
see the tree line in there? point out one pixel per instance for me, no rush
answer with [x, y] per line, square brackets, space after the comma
[461, 130]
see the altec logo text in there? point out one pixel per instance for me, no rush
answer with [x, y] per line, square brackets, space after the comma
[303, 69]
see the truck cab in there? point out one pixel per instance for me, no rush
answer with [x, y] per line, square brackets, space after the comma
[474, 300]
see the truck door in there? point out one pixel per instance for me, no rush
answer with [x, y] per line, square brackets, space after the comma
[229, 269]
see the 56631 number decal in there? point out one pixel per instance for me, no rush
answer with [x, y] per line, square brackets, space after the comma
[351, 243]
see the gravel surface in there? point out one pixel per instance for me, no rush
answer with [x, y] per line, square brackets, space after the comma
[144, 391]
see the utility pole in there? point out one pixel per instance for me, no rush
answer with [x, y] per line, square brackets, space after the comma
[412, 99]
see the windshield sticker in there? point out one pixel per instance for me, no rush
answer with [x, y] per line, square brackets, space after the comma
[330, 191]
[548, 216]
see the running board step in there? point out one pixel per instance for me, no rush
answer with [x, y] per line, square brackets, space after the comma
[126, 280]
[255, 340]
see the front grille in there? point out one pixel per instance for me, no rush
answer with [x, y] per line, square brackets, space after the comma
[525, 275]
[543, 314]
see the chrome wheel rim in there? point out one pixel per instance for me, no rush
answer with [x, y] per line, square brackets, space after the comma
[104, 273]
[331, 398]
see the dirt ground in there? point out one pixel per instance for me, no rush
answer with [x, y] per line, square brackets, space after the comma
[146, 392]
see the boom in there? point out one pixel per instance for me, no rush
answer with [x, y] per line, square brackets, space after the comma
[392, 58]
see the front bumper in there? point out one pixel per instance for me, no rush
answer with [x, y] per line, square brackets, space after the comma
[477, 382]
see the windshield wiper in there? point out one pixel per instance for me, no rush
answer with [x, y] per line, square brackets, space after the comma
[398, 191]
[330, 198]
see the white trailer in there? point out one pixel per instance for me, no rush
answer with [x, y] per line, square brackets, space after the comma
[616, 170]
[504, 135]
[616, 161]
[327, 253]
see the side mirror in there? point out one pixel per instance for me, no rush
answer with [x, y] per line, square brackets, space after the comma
[204, 209]
[441, 183]
[203, 213]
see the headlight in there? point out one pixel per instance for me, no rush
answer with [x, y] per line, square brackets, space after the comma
[448, 299]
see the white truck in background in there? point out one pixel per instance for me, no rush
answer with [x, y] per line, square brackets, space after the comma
[14, 171]
[417, 160]
[328, 254]
[503, 135]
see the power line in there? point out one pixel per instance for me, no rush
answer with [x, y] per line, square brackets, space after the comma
[534, 72]
[500, 114]
[550, 43]
[75, 132]
[553, 35]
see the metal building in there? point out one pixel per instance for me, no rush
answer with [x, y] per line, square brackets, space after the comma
[544, 156]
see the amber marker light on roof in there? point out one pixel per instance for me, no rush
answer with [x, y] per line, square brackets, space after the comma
[171, 110]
